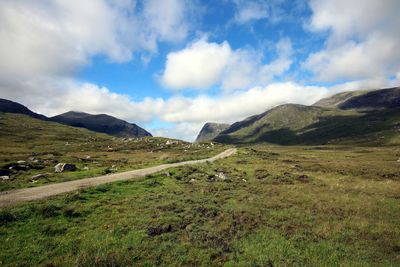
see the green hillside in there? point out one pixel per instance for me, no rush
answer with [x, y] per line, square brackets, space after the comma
[296, 124]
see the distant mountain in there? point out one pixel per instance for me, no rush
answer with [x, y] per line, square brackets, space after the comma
[210, 130]
[363, 117]
[14, 107]
[364, 100]
[101, 123]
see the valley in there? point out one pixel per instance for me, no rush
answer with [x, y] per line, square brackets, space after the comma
[294, 186]
[266, 205]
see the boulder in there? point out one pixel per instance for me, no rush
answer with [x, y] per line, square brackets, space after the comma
[221, 176]
[39, 176]
[20, 167]
[4, 172]
[153, 231]
[4, 177]
[61, 167]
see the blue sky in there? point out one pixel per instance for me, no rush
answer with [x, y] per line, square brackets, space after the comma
[172, 65]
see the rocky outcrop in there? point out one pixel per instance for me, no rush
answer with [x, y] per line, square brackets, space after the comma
[210, 130]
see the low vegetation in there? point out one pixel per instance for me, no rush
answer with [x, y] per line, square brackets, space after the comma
[265, 206]
[32, 148]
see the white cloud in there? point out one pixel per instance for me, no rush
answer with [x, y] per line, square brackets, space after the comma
[165, 19]
[56, 37]
[198, 66]
[251, 10]
[203, 64]
[364, 39]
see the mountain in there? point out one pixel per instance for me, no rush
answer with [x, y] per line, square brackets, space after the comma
[210, 130]
[363, 118]
[388, 98]
[14, 107]
[101, 123]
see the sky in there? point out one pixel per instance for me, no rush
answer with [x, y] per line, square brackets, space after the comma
[172, 65]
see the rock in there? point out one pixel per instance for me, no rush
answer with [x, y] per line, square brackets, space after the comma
[167, 174]
[20, 162]
[5, 177]
[61, 167]
[86, 158]
[189, 227]
[41, 175]
[221, 176]
[398, 160]
[303, 178]
[4, 172]
[244, 180]
[86, 168]
[192, 180]
[153, 231]
[20, 167]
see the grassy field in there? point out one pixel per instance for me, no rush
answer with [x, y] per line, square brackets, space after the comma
[44, 144]
[265, 206]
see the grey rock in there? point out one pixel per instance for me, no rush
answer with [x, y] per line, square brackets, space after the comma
[61, 167]
[5, 178]
[39, 176]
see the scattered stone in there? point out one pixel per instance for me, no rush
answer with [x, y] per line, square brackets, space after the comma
[153, 231]
[86, 168]
[38, 176]
[4, 172]
[398, 160]
[5, 177]
[221, 176]
[192, 180]
[61, 167]
[86, 158]
[19, 167]
[303, 178]
[124, 161]
[189, 227]
[244, 180]
[168, 174]
[21, 162]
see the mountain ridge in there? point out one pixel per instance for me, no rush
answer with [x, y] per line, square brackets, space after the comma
[358, 117]
[101, 123]
[210, 130]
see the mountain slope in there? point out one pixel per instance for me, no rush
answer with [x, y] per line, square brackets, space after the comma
[296, 124]
[101, 123]
[363, 100]
[210, 130]
[14, 107]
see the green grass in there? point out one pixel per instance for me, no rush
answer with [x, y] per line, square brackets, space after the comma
[276, 206]
[43, 144]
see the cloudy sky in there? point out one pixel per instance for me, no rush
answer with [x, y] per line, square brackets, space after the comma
[172, 65]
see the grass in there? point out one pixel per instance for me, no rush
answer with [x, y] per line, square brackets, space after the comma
[43, 144]
[265, 206]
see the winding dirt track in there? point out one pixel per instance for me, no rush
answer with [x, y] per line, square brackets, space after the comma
[9, 198]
